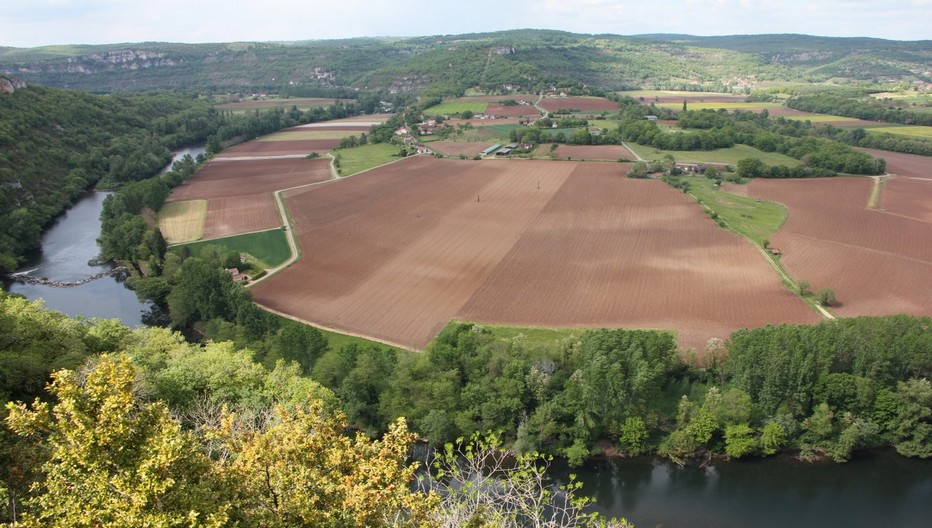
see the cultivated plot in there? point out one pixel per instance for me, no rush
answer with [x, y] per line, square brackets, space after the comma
[397, 252]
[582, 104]
[877, 263]
[183, 221]
[911, 165]
[239, 193]
[589, 152]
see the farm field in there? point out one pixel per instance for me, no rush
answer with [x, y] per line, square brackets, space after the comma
[912, 165]
[302, 103]
[908, 197]
[268, 248]
[877, 263]
[729, 155]
[674, 96]
[295, 134]
[512, 111]
[715, 105]
[912, 131]
[242, 177]
[755, 219]
[358, 159]
[231, 215]
[280, 148]
[581, 104]
[588, 152]
[238, 194]
[183, 221]
[457, 148]
[399, 251]
[457, 107]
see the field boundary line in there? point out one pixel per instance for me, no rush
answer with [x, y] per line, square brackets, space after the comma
[337, 330]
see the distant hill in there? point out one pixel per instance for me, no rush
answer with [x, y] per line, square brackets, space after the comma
[518, 59]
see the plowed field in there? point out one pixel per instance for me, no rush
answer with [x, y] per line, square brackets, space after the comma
[911, 165]
[235, 178]
[234, 215]
[584, 104]
[511, 111]
[876, 262]
[397, 252]
[280, 148]
[239, 193]
[908, 197]
[593, 152]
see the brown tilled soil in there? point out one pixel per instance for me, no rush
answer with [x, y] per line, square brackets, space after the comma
[243, 177]
[593, 152]
[456, 148]
[877, 263]
[910, 197]
[239, 193]
[512, 111]
[280, 148]
[235, 215]
[901, 164]
[397, 252]
[585, 104]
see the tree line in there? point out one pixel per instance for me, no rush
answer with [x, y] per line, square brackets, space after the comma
[55, 144]
[140, 427]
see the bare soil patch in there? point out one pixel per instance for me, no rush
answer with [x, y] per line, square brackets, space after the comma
[244, 177]
[584, 104]
[878, 263]
[901, 164]
[239, 193]
[593, 152]
[233, 215]
[397, 252]
[908, 197]
[511, 111]
[280, 148]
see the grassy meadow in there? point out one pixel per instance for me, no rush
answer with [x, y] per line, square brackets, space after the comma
[757, 220]
[357, 159]
[267, 248]
[727, 155]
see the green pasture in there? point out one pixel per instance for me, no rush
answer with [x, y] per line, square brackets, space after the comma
[757, 220]
[357, 159]
[268, 248]
[911, 131]
[729, 155]
[820, 118]
[457, 107]
[715, 105]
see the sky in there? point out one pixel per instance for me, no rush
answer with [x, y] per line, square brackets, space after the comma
[30, 23]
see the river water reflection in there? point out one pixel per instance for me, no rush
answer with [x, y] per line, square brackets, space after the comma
[877, 488]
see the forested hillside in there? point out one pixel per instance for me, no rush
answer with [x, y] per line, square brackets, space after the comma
[521, 59]
[54, 144]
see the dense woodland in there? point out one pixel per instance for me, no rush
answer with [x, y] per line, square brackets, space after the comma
[449, 64]
[55, 144]
[202, 427]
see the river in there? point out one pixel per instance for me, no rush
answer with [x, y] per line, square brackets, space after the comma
[877, 488]
[67, 247]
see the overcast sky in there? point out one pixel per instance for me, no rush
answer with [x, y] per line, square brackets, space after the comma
[27, 23]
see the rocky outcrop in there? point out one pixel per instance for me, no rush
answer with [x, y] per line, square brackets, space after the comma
[9, 85]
